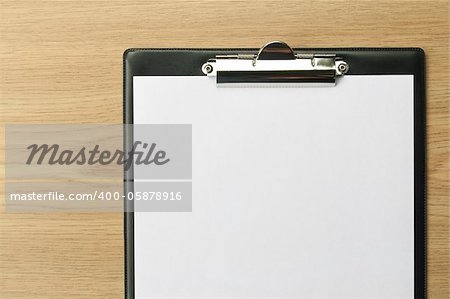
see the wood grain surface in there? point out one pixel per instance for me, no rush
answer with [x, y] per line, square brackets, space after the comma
[61, 62]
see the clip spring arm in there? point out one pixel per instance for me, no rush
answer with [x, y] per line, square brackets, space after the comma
[276, 63]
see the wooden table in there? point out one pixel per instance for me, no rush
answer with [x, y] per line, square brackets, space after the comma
[61, 62]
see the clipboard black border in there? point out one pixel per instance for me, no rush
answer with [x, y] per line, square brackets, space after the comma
[362, 61]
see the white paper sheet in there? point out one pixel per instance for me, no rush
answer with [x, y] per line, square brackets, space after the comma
[297, 192]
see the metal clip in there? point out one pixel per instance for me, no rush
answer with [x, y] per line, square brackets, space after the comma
[275, 63]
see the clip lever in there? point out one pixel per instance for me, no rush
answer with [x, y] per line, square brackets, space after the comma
[276, 63]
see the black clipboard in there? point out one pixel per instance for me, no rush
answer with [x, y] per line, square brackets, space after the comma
[362, 61]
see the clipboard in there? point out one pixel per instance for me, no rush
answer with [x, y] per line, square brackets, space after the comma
[277, 65]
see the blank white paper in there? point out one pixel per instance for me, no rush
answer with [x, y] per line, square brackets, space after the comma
[297, 192]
